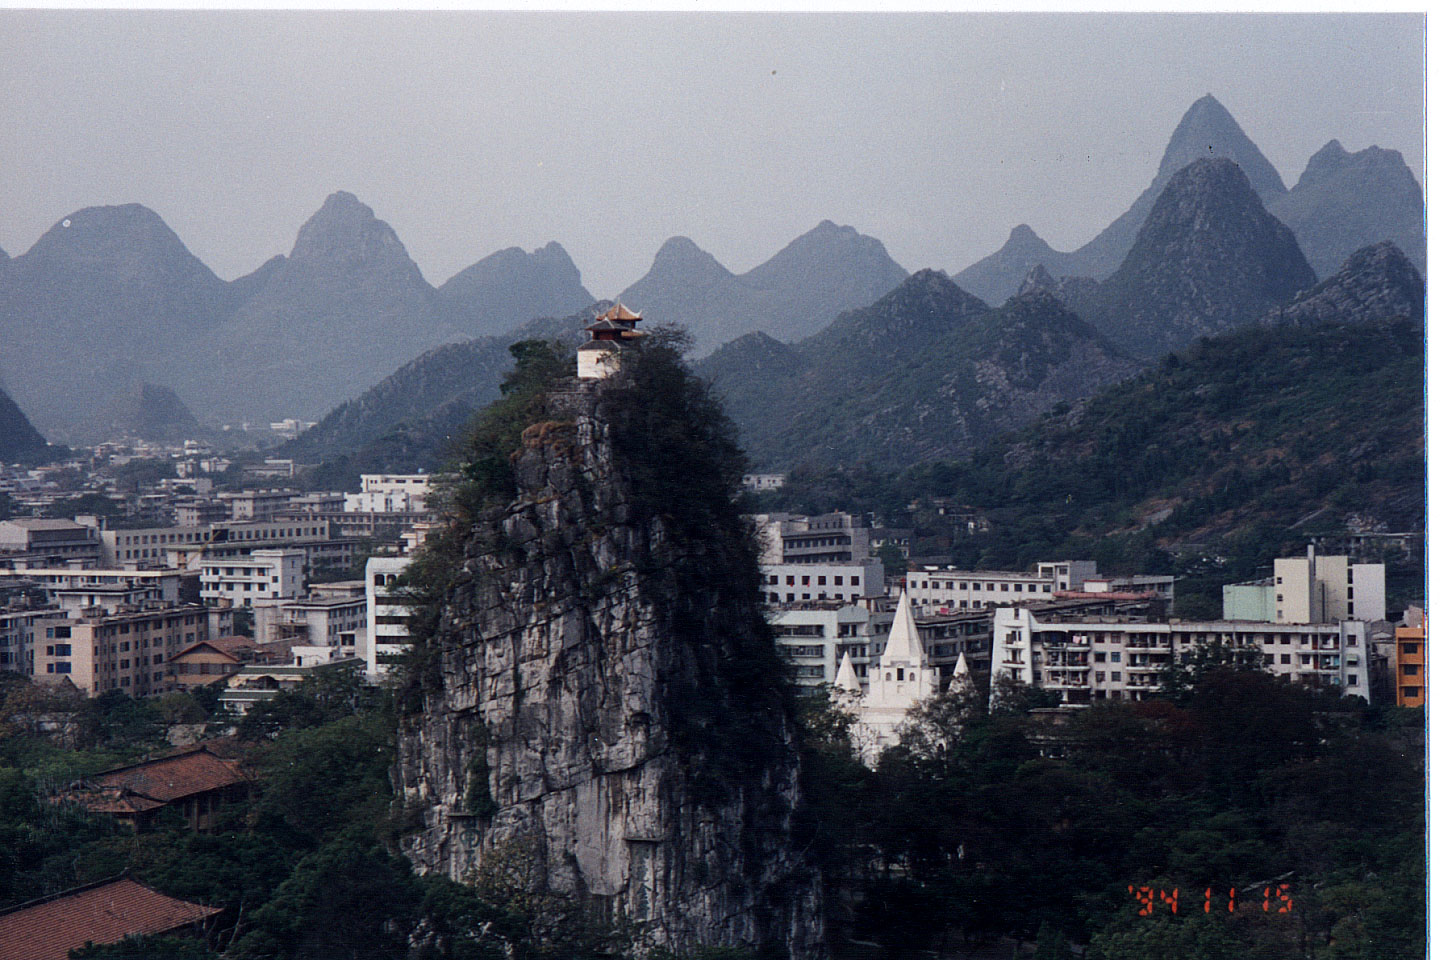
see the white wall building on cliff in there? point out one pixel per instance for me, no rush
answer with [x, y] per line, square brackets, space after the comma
[600, 357]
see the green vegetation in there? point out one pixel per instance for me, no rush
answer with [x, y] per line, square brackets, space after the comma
[1003, 824]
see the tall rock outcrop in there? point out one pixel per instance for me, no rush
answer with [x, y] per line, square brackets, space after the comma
[1209, 259]
[602, 692]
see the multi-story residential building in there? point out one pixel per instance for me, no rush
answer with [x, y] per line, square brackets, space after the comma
[148, 546]
[387, 614]
[1324, 589]
[323, 619]
[117, 651]
[102, 587]
[390, 493]
[1410, 661]
[803, 582]
[1123, 658]
[30, 542]
[937, 591]
[200, 512]
[814, 637]
[209, 661]
[830, 538]
[256, 683]
[273, 574]
[17, 638]
[1310, 589]
[1067, 574]
[257, 504]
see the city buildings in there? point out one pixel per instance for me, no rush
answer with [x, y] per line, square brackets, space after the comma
[1086, 659]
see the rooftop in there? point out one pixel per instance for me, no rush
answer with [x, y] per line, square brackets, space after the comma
[103, 912]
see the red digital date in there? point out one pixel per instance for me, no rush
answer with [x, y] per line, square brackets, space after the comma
[1276, 899]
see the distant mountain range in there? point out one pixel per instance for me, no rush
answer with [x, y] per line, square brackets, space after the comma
[793, 294]
[1342, 202]
[110, 297]
[928, 371]
[510, 287]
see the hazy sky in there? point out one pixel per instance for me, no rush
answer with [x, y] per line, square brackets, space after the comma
[469, 132]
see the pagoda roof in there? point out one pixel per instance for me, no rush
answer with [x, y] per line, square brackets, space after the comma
[620, 312]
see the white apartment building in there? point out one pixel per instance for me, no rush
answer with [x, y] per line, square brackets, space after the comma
[1324, 589]
[389, 493]
[937, 591]
[1119, 658]
[272, 574]
[804, 582]
[387, 615]
[815, 637]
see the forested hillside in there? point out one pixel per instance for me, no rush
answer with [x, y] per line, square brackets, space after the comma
[1241, 448]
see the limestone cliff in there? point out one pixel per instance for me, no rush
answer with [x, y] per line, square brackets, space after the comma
[603, 692]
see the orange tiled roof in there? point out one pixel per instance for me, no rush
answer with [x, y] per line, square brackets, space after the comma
[171, 778]
[105, 912]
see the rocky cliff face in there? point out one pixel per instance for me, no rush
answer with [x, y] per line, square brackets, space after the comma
[1374, 283]
[600, 696]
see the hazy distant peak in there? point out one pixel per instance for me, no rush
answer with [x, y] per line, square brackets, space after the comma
[1333, 159]
[129, 242]
[681, 254]
[1208, 130]
[346, 229]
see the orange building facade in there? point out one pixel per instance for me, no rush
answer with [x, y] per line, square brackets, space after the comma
[1410, 664]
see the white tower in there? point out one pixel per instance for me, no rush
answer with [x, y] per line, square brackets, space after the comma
[902, 679]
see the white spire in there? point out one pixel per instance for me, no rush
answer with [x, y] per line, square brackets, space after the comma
[845, 678]
[960, 679]
[904, 642]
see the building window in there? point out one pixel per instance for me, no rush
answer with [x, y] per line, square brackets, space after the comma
[1411, 648]
[1353, 680]
[1412, 670]
[1410, 692]
[1284, 658]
